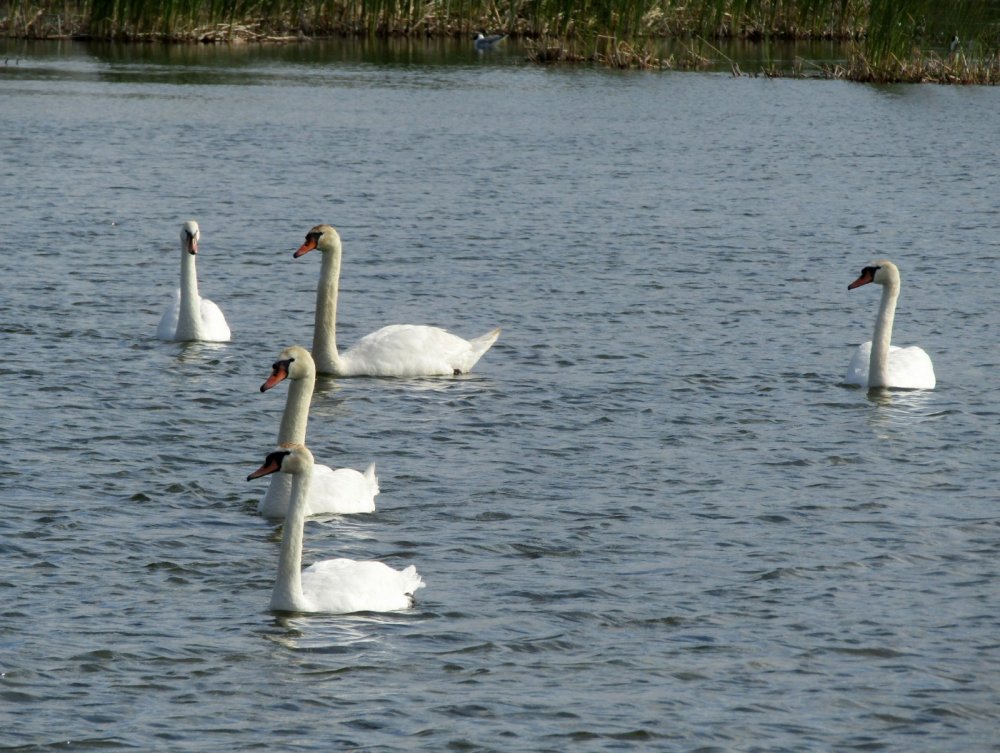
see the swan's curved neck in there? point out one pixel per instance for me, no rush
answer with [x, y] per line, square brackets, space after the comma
[324, 350]
[878, 366]
[296, 415]
[189, 317]
[287, 594]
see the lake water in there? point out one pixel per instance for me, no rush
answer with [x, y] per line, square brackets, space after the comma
[652, 518]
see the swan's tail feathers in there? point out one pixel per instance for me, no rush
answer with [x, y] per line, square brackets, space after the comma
[484, 342]
[372, 479]
[477, 346]
[411, 580]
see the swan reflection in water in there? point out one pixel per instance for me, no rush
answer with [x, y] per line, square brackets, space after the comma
[347, 634]
[900, 410]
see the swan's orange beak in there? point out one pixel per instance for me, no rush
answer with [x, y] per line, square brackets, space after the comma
[192, 245]
[306, 247]
[279, 373]
[272, 464]
[867, 275]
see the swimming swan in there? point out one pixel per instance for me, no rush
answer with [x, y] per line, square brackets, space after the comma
[344, 490]
[399, 350]
[885, 365]
[338, 586]
[190, 317]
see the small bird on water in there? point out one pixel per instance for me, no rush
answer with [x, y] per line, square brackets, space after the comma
[484, 42]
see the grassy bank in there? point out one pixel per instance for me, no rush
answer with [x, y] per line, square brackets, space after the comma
[559, 19]
[892, 40]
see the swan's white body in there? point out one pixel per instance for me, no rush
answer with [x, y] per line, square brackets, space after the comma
[877, 363]
[399, 350]
[190, 317]
[338, 586]
[343, 490]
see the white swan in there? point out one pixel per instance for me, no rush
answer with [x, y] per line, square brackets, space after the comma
[882, 364]
[338, 586]
[344, 490]
[399, 350]
[189, 316]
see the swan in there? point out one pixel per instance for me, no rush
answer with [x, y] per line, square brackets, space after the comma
[338, 586]
[399, 350]
[882, 364]
[189, 316]
[344, 490]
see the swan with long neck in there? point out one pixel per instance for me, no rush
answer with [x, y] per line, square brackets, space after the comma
[399, 350]
[877, 363]
[343, 490]
[338, 586]
[189, 317]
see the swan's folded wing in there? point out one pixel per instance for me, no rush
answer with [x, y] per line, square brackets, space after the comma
[342, 491]
[857, 369]
[216, 327]
[168, 322]
[344, 586]
[410, 350]
[911, 369]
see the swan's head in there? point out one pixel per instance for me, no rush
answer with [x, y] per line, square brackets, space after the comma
[293, 363]
[881, 272]
[292, 460]
[323, 237]
[190, 233]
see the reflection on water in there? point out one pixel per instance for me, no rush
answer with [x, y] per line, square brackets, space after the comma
[195, 352]
[899, 410]
[347, 635]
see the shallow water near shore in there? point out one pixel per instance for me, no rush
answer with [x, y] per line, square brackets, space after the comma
[652, 518]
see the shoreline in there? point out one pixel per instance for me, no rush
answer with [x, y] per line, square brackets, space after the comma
[598, 49]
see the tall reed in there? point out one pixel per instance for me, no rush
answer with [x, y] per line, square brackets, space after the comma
[926, 40]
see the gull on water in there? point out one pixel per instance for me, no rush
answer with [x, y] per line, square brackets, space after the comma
[484, 42]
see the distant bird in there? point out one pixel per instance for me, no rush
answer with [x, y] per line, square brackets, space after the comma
[955, 44]
[484, 42]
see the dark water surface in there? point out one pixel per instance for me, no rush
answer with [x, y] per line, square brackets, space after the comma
[651, 519]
